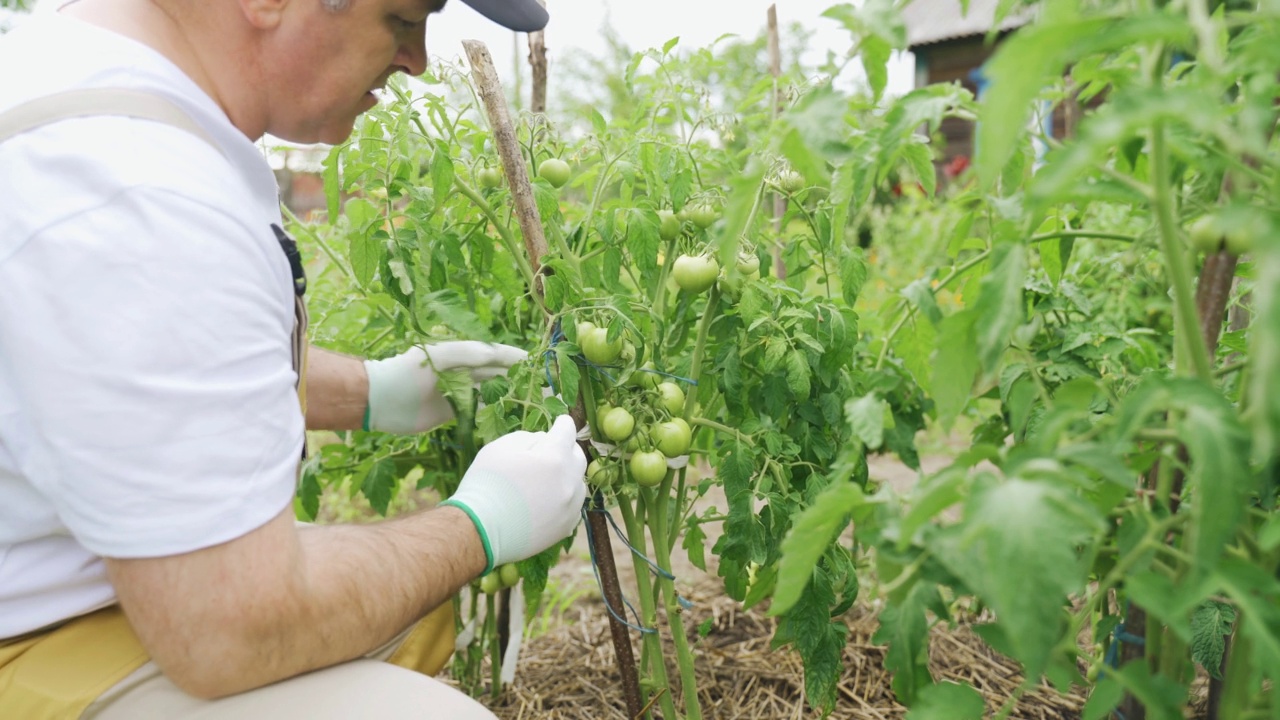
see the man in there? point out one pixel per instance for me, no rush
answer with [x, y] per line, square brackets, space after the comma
[150, 354]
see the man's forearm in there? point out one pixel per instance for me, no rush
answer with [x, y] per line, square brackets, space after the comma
[220, 624]
[337, 391]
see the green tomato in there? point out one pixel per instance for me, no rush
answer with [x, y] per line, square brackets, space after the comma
[491, 583]
[668, 225]
[489, 178]
[1240, 240]
[618, 424]
[601, 474]
[509, 574]
[584, 329]
[672, 398]
[672, 437]
[648, 467]
[790, 181]
[554, 171]
[703, 215]
[749, 265]
[597, 348]
[1205, 235]
[646, 376]
[695, 273]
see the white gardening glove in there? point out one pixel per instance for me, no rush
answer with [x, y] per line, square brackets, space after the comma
[524, 491]
[403, 397]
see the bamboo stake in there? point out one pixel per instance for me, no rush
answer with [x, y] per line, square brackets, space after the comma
[779, 202]
[490, 91]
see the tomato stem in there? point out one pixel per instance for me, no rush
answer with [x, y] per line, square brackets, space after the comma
[648, 612]
[657, 507]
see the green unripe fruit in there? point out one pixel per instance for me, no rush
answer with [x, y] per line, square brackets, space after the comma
[695, 273]
[671, 397]
[554, 171]
[489, 178]
[509, 574]
[668, 225]
[618, 424]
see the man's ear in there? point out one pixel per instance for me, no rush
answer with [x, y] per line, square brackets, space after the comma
[263, 14]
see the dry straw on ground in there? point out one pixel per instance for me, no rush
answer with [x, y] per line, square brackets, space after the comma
[568, 673]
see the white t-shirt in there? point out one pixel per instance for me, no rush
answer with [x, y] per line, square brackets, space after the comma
[147, 401]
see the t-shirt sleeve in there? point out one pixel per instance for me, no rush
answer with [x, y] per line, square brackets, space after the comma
[148, 339]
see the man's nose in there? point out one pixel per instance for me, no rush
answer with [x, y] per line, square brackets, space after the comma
[412, 54]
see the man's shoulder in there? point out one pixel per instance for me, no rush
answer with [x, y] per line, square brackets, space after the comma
[67, 165]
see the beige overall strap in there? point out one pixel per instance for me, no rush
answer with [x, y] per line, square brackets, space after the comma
[90, 102]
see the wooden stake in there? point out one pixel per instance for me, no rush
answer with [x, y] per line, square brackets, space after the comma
[779, 202]
[538, 62]
[504, 136]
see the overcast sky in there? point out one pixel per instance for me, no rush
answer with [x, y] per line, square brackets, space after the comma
[644, 24]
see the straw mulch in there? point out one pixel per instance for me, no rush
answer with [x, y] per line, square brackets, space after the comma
[568, 673]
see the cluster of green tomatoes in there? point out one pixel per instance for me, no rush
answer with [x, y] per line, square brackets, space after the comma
[501, 577]
[648, 422]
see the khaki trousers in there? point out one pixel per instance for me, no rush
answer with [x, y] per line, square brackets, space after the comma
[366, 688]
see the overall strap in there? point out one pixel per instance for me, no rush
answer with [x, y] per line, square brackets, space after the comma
[142, 105]
[90, 102]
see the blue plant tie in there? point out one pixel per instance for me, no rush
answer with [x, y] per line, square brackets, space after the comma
[596, 571]
[653, 566]
[685, 380]
[1120, 635]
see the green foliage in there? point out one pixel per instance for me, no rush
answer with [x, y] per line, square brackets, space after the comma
[1211, 623]
[1042, 305]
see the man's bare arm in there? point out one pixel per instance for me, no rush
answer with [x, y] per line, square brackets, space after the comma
[337, 391]
[284, 600]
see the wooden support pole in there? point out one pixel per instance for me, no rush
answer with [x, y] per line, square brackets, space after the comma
[779, 202]
[504, 137]
[538, 63]
[526, 210]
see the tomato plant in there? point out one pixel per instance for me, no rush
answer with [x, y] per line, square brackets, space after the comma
[1118, 439]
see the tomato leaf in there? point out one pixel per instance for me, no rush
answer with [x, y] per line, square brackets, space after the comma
[379, 484]
[332, 184]
[956, 365]
[1035, 57]
[441, 173]
[999, 305]
[811, 532]
[819, 641]
[947, 701]
[798, 374]
[866, 416]
[854, 271]
[1017, 548]
[1211, 623]
[905, 629]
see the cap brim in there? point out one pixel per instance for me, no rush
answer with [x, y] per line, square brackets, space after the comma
[518, 15]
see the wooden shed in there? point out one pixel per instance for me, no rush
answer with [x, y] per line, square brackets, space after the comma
[951, 45]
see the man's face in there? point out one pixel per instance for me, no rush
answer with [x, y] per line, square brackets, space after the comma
[326, 64]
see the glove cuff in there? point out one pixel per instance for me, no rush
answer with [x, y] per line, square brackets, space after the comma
[484, 536]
